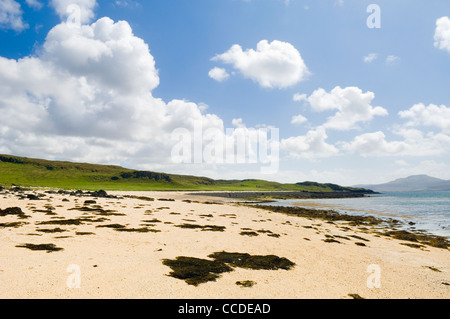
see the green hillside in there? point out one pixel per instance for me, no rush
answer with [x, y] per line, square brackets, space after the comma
[30, 172]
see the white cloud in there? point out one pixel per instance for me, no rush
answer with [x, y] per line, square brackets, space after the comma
[68, 8]
[299, 97]
[272, 65]
[218, 74]
[298, 119]
[238, 123]
[310, 146]
[375, 144]
[431, 115]
[35, 4]
[392, 59]
[11, 16]
[442, 34]
[352, 105]
[87, 96]
[414, 143]
[370, 57]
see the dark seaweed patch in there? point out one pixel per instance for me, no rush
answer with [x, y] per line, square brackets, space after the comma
[137, 230]
[13, 211]
[47, 247]
[249, 233]
[115, 226]
[430, 240]
[246, 283]
[355, 296]
[244, 260]
[12, 224]
[202, 227]
[53, 230]
[195, 271]
[81, 233]
[75, 222]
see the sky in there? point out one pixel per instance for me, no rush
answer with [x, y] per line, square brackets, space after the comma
[341, 91]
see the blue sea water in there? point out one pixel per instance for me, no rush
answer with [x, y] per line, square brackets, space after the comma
[429, 211]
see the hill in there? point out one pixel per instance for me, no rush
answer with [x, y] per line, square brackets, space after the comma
[29, 172]
[411, 183]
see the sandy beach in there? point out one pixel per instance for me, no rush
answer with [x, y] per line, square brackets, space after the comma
[115, 248]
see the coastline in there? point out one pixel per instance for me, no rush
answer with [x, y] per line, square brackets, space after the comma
[331, 258]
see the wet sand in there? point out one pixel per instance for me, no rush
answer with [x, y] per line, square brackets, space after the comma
[115, 247]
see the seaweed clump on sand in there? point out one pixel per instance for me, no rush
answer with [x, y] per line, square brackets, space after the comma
[203, 227]
[425, 239]
[47, 247]
[328, 215]
[256, 262]
[195, 271]
[13, 211]
[246, 283]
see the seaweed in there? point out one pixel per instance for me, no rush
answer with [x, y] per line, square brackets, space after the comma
[12, 224]
[246, 283]
[355, 296]
[115, 226]
[433, 268]
[47, 247]
[244, 260]
[53, 230]
[195, 271]
[202, 227]
[430, 240]
[82, 233]
[249, 233]
[327, 215]
[331, 240]
[98, 210]
[75, 222]
[13, 211]
[358, 237]
[137, 230]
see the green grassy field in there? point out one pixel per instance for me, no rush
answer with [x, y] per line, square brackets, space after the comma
[28, 172]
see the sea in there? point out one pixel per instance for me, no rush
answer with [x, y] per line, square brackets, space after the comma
[427, 211]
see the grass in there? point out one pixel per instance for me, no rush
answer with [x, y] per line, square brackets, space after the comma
[29, 172]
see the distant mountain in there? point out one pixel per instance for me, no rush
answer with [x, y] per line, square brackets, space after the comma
[411, 183]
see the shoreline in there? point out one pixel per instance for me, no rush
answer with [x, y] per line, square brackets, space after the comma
[120, 242]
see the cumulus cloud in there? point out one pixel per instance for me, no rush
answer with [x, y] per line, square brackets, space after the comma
[431, 115]
[310, 146]
[272, 65]
[373, 144]
[79, 10]
[413, 143]
[370, 57]
[11, 16]
[87, 96]
[442, 34]
[218, 74]
[298, 119]
[392, 59]
[351, 103]
[35, 4]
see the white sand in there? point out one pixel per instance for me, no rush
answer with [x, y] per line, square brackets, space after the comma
[116, 264]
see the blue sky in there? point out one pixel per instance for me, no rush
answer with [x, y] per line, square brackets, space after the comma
[373, 104]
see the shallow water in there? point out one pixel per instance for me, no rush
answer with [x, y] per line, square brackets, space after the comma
[429, 211]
